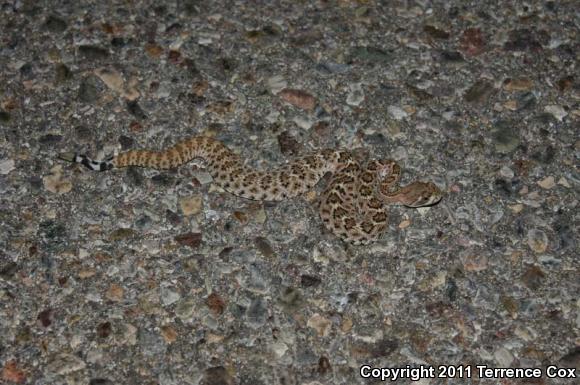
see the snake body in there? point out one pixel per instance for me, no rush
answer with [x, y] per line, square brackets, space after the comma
[353, 206]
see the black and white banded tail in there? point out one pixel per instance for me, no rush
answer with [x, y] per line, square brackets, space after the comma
[104, 165]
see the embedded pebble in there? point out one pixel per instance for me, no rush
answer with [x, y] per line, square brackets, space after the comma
[479, 92]
[114, 293]
[370, 54]
[356, 95]
[135, 109]
[55, 24]
[397, 112]
[303, 122]
[277, 83]
[6, 165]
[506, 172]
[436, 32]
[557, 111]
[505, 138]
[217, 375]
[547, 183]
[279, 348]
[298, 98]
[526, 100]
[111, 78]
[537, 240]
[517, 208]
[503, 357]
[151, 343]
[522, 40]
[62, 73]
[320, 324]
[4, 117]
[257, 313]
[185, 309]
[122, 233]
[533, 277]
[216, 304]
[56, 183]
[49, 140]
[332, 68]
[565, 83]
[93, 53]
[288, 144]
[168, 296]
[474, 262]
[571, 359]
[65, 363]
[11, 372]
[203, 177]
[563, 182]
[190, 239]
[88, 91]
[472, 42]
[191, 205]
[264, 247]
[309, 280]
[519, 84]
[291, 299]
[404, 224]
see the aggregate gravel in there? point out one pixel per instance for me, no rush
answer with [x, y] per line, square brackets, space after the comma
[159, 277]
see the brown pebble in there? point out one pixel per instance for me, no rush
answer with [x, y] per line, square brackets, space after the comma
[174, 56]
[104, 329]
[122, 233]
[192, 240]
[298, 98]
[218, 375]
[115, 293]
[135, 126]
[153, 50]
[521, 84]
[45, 318]
[472, 42]
[200, 87]
[241, 216]
[324, 365]
[169, 334]
[565, 83]
[215, 303]
[12, 373]
[533, 277]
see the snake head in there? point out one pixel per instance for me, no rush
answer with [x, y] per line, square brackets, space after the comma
[419, 194]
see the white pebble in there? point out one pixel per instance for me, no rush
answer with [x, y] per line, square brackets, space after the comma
[303, 122]
[277, 83]
[506, 172]
[356, 95]
[6, 165]
[397, 112]
[557, 111]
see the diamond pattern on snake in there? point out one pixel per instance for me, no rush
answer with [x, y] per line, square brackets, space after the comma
[353, 206]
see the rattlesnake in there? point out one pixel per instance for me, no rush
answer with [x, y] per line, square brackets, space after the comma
[352, 206]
